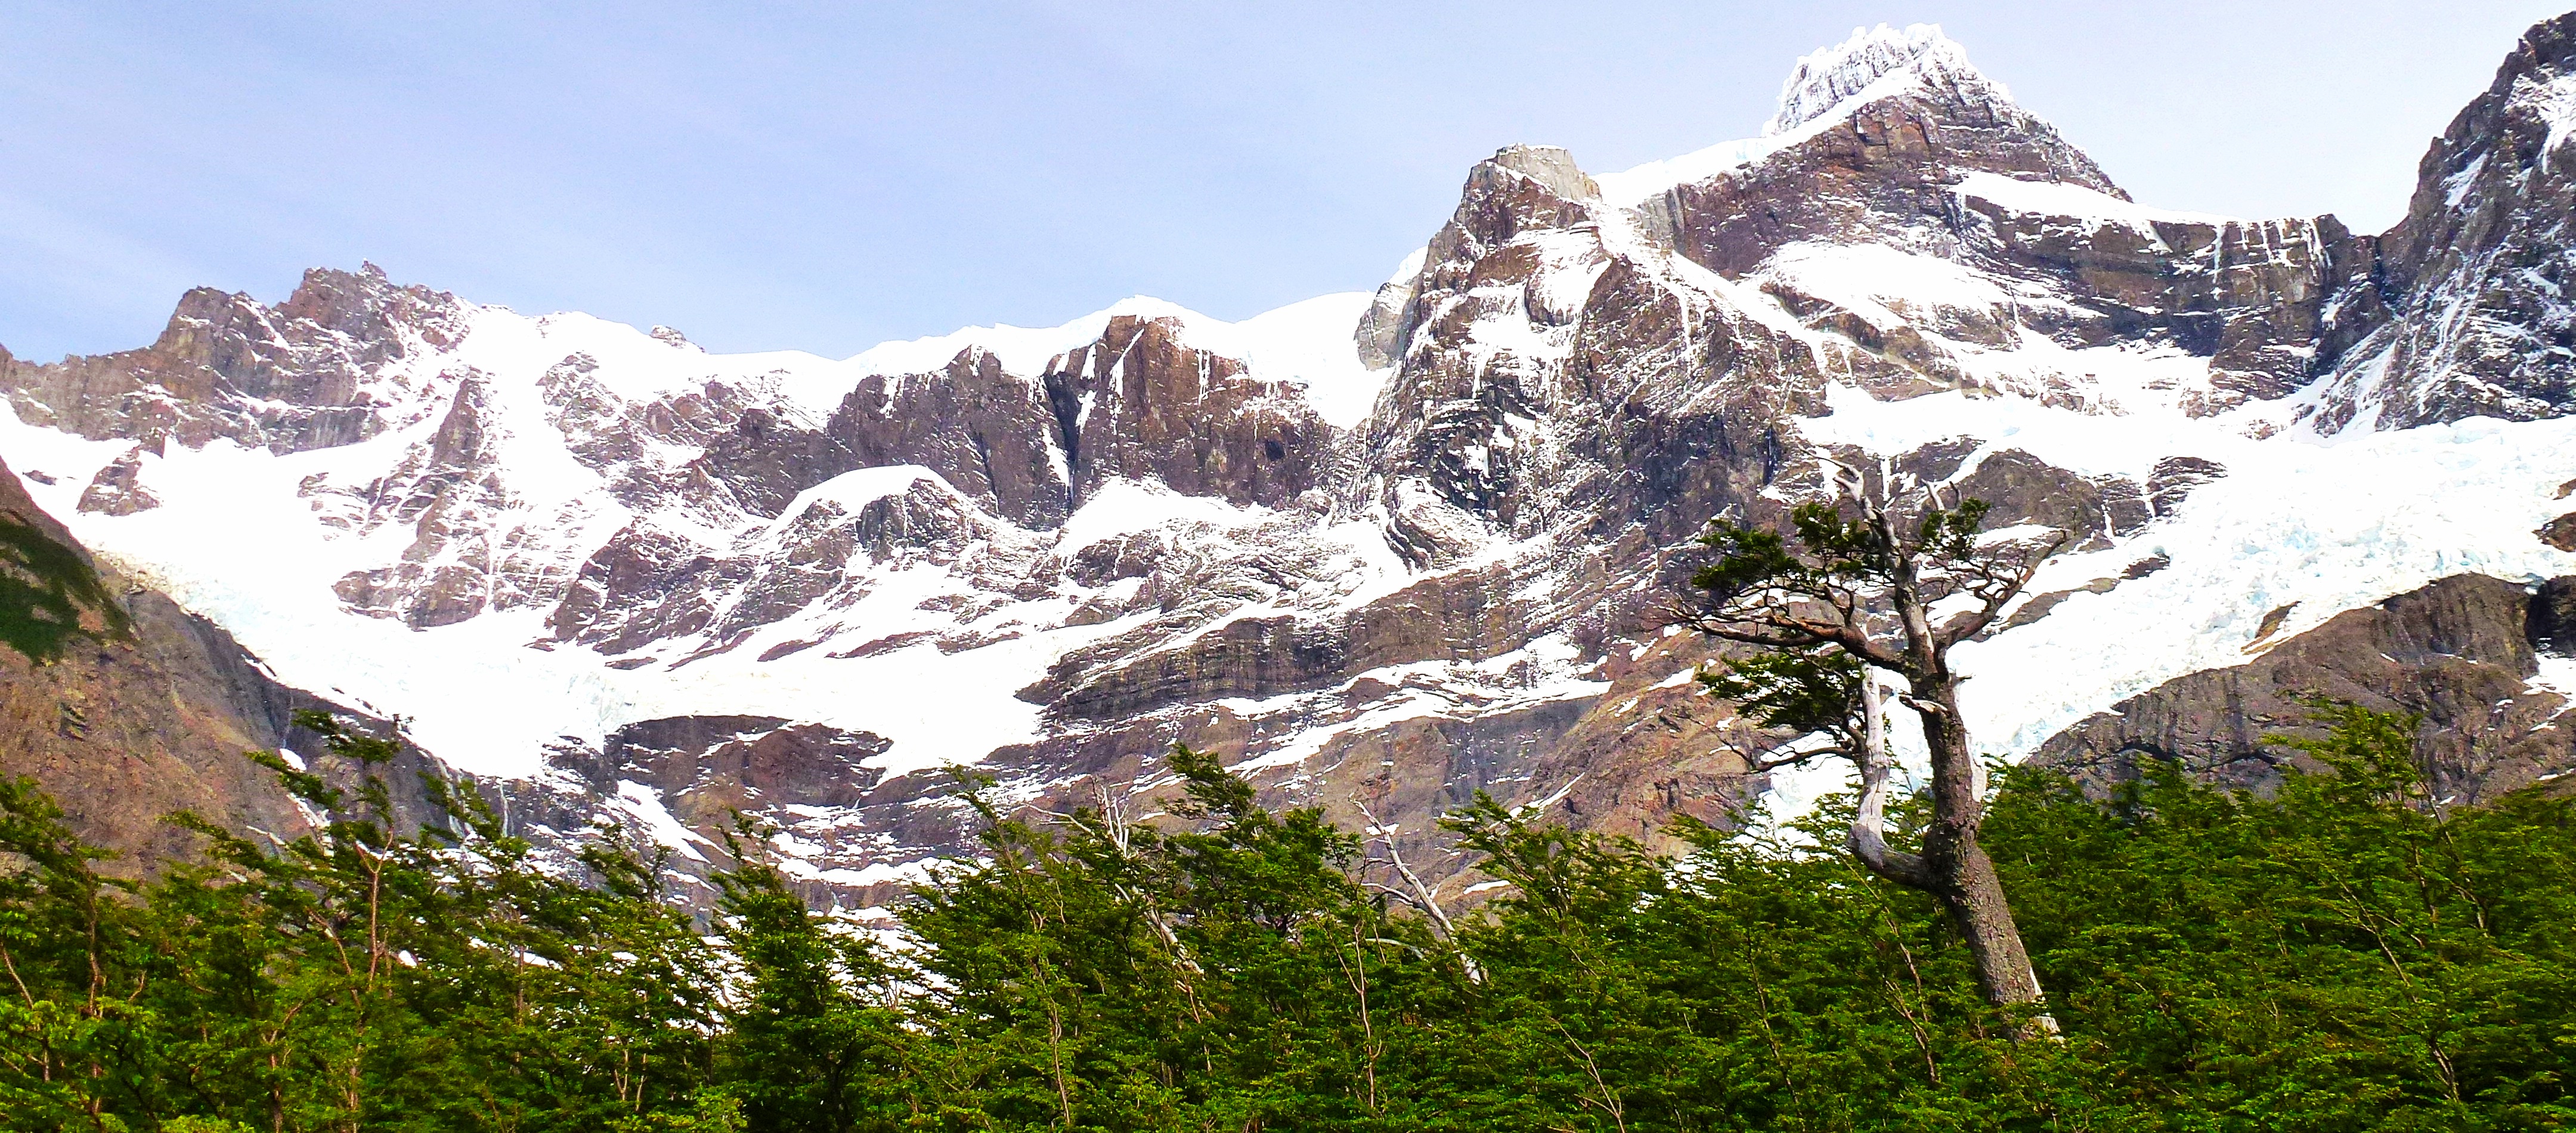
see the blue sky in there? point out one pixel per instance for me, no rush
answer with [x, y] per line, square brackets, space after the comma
[827, 176]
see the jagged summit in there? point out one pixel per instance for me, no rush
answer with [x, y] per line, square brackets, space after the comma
[1826, 78]
[2471, 317]
[1551, 166]
[1883, 96]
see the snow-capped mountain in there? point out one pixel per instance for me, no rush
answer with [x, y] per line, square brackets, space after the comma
[1381, 550]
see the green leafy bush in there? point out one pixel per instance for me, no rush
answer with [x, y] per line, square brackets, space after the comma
[2346, 955]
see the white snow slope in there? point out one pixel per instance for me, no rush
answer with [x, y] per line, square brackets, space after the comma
[236, 539]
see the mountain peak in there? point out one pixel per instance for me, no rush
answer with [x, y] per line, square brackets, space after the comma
[1828, 77]
[1550, 166]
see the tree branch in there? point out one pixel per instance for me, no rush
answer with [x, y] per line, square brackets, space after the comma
[1868, 838]
[2007, 584]
[1422, 892]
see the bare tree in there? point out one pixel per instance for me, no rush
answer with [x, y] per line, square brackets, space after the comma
[1416, 893]
[1889, 590]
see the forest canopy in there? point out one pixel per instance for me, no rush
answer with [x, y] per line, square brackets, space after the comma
[2342, 955]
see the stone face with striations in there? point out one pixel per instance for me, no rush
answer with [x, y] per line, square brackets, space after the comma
[2461, 312]
[1937, 162]
[305, 374]
[2461, 653]
[1142, 404]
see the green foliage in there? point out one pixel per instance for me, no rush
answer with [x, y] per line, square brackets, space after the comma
[356, 976]
[1799, 690]
[814, 1040]
[1835, 551]
[1099, 973]
[713, 1111]
[44, 589]
[2345, 955]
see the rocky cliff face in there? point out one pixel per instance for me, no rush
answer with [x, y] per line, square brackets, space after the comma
[2015, 236]
[1379, 551]
[127, 708]
[308, 373]
[2460, 312]
[2484, 661]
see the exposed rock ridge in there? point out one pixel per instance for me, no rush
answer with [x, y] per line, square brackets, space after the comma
[1142, 404]
[1923, 167]
[2463, 313]
[307, 373]
[2460, 652]
[1825, 79]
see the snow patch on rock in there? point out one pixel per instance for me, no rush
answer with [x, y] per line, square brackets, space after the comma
[1307, 344]
[2058, 198]
[1873, 63]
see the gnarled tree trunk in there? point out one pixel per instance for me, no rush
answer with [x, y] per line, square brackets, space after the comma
[1864, 590]
[1962, 876]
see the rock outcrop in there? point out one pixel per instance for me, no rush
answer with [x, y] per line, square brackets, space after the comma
[2463, 653]
[839, 830]
[1938, 165]
[311, 372]
[2460, 310]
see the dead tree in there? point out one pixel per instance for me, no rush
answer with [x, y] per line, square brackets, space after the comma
[1828, 608]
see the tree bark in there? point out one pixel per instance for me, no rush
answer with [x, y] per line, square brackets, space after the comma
[1868, 839]
[1963, 877]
